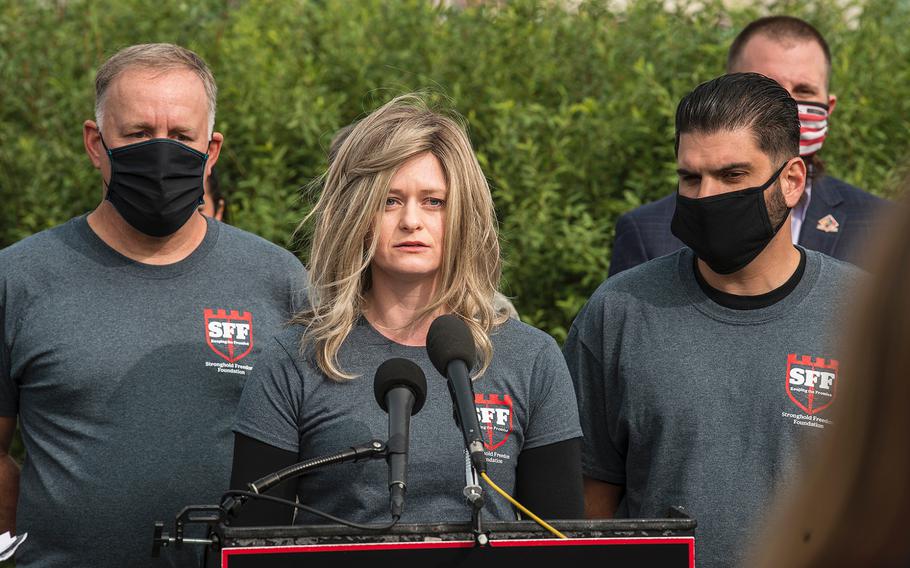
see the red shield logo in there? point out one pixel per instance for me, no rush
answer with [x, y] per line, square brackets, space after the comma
[811, 382]
[495, 416]
[229, 334]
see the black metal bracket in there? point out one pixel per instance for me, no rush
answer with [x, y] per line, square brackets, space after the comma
[210, 515]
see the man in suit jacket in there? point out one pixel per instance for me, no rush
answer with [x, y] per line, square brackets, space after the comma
[834, 217]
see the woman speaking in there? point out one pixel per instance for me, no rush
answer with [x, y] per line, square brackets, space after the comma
[404, 231]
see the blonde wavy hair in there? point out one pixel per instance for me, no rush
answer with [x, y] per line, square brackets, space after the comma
[345, 229]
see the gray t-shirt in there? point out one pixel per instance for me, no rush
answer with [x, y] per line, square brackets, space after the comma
[126, 377]
[686, 402]
[524, 400]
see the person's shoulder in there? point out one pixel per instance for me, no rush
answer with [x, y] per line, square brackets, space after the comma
[289, 337]
[517, 331]
[517, 344]
[284, 349]
[251, 243]
[849, 193]
[646, 278]
[268, 259]
[36, 250]
[661, 208]
[644, 285]
[835, 271]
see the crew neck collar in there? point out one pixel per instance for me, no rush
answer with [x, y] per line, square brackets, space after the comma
[375, 336]
[115, 260]
[743, 302]
[685, 276]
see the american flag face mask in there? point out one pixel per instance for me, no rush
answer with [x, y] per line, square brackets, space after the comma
[813, 126]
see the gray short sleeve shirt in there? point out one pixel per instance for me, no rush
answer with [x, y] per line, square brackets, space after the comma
[524, 400]
[125, 378]
[686, 402]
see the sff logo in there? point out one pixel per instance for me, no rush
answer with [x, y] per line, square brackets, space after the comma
[229, 334]
[811, 382]
[494, 412]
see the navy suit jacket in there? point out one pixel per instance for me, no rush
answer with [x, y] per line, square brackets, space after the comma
[644, 233]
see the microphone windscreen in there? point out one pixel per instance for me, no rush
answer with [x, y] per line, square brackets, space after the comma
[399, 372]
[449, 339]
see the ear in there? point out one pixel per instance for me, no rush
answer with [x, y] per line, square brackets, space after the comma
[91, 139]
[832, 102]
[793, 181]
[214, 150]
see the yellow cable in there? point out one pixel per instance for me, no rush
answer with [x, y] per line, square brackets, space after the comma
[521, 507]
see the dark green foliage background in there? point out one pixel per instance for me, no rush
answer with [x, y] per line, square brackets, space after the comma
[570, 111]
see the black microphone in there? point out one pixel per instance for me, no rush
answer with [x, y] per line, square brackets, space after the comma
[401, 389]
[450, 346]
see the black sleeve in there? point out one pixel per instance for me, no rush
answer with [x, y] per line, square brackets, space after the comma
[252, 460]
[628, 247]
[548, 481]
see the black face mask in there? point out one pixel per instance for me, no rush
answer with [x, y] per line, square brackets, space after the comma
[726, 231]
[156, 185]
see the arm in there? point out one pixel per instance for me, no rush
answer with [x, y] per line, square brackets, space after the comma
[548, 472]
[297, 287]
[594, 372]
[601, 498]
[266, 434]
[548, 480]
[252, 460]
[9, 476]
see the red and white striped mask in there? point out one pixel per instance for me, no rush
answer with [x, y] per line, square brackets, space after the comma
[813, 126]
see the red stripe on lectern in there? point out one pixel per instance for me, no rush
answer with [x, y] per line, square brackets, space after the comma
[240, 551]
[689, 541]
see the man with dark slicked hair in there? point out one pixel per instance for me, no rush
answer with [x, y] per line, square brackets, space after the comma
[701, 374]
[832, 217]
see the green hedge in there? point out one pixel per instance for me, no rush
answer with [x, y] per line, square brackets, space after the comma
[570, 110]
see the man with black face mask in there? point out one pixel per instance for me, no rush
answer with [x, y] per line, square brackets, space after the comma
[126, 334]
[701, 374]
[832, 217]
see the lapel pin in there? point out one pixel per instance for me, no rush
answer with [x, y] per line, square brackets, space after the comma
[828, 224]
